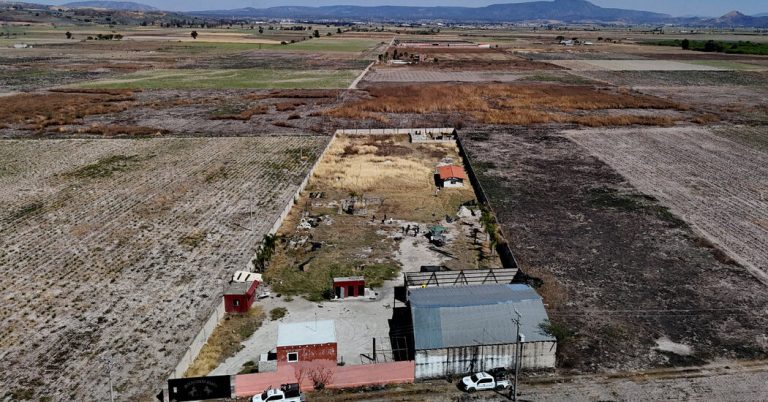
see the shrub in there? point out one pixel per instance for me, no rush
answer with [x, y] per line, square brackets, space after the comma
[277, 313]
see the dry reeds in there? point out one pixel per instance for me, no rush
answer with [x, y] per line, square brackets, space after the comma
[38, 111]
[244, 115]
[507, 104]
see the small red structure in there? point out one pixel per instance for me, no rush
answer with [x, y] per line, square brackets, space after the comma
[349, 286]
[239, 296]
[452, 176]
[306, 341]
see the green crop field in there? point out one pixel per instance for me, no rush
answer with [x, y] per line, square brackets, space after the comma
[330, 45]
[727, 65]
[228, 79]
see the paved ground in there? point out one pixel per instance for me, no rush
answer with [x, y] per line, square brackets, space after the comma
[354, 336]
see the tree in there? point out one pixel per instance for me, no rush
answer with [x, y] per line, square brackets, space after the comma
[316, 34]
[69, 35]
[194, 34]
[261, 29]
[327, 34]
[338, 30]
[686, 44]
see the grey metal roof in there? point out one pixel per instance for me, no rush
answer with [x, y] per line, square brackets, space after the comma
[475, 315]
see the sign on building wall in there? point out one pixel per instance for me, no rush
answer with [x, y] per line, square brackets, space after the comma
[199, 388]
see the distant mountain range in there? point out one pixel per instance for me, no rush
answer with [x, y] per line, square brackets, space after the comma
[735, 19]
[111, 5]
[568, 11]
[557, 10]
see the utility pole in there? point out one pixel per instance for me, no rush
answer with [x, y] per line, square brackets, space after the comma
[518, 352]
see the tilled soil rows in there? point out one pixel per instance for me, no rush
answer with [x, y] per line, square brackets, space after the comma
[717, 185]
[121, 247]
[622, 276]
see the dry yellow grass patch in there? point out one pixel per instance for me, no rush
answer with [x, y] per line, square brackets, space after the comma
[225, 341]
[392, 168]
[377, 164]
[508, 104]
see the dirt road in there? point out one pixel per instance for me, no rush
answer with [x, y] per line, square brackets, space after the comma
[725, 381]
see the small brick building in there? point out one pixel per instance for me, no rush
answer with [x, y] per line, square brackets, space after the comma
[306, 341]
[349, 286]
[451, 176]
[239, 296]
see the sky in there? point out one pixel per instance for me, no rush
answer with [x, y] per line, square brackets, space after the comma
[672, 7]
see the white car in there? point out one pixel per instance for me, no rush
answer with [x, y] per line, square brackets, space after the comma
[286, 393]
[483, 382]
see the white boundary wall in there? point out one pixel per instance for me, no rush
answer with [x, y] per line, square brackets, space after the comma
[394, 131]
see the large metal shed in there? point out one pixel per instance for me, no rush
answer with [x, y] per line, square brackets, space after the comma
[465, 329]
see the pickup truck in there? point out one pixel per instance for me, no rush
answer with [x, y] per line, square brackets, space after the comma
[286, 393]
[482, 382]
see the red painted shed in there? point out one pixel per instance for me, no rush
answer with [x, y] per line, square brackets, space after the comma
[239, 296]
[349, 286]
[306, 341]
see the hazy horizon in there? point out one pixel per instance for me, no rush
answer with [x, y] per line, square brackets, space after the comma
[672, 7]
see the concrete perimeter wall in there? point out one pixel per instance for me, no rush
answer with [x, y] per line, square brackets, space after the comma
[393, 131]
[508, 259]
[438, 363]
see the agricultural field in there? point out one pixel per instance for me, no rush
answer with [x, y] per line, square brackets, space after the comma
[120, 248]
[718, 186]
[628, 283]
[227, 79]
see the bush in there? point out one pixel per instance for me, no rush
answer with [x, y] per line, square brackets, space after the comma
[559, 331]
[278, 313]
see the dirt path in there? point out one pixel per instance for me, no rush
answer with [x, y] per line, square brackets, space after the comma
[725, 381]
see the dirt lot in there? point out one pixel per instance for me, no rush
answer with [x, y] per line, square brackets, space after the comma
[622, 276]
[395, 180]
[392, 184]
[718, 186]
[119, 248]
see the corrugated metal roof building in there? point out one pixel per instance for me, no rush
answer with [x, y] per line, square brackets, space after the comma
[466, 329]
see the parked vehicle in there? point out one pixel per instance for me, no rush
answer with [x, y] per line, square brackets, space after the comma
[483, 382]
[498, 372]
[286, 393]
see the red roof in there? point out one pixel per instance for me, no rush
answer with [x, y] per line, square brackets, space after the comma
[451, 172]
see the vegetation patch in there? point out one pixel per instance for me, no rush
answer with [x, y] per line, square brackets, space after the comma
[108, 166]
[508, 104]
[228, 79]
[38, 111]
[277, 313]
[607, 197]
[719, 46]
[226, 340]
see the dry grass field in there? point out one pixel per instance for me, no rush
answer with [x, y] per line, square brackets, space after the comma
[716, 185]
[516, 104]
[121, 247]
